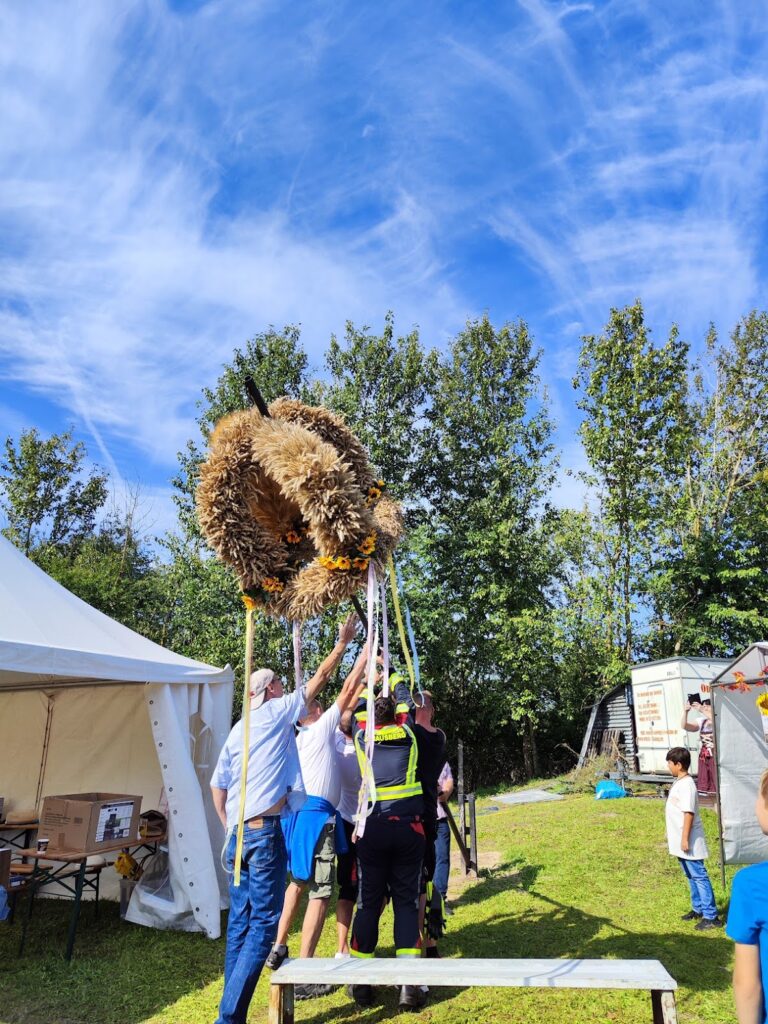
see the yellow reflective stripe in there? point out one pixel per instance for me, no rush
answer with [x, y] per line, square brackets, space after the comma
[390, 732]
[413, 757]
[407, 952]
[407, 789]
[361, 956]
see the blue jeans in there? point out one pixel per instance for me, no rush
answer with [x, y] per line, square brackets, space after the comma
[442, 856]
[702, 896]
[254, 912]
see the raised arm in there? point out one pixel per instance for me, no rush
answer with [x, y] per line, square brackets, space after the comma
[328, 666]
[684, 723]
[354, 683]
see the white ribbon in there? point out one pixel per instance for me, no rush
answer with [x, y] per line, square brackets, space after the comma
[297, 655]
[367, 797]
[384, 636]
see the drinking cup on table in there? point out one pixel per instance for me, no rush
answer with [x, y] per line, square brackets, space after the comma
[42, 845]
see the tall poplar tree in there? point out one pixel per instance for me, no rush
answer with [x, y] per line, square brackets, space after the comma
[636, 433]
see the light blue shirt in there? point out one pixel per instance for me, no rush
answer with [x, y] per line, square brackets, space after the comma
[273, 763]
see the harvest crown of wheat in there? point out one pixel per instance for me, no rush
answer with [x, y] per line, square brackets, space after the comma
[290, 501]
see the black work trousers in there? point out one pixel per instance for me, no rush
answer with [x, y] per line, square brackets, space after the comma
[389, 860]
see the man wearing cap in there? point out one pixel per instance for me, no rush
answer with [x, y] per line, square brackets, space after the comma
[314, 833]
[255, 904]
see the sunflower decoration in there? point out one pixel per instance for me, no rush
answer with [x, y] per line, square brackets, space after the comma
[762, 704]
[291, 503]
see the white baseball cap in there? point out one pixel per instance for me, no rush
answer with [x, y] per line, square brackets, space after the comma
[260, 680]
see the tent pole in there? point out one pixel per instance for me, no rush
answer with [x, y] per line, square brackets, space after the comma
[713, 690]
[44, 756]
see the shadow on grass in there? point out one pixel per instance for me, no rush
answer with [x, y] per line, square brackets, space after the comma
[512, 874]
[119, 974]
[558, 931]
[384, 1008]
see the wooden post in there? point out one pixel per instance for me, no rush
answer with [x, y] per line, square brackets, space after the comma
[460, 791]
[472, 834]
[288, 1004]
[280, 1004]
[664, 1008]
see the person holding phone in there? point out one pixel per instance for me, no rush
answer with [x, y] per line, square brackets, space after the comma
[706, 779]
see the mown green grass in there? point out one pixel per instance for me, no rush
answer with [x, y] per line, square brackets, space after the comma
[576, 878]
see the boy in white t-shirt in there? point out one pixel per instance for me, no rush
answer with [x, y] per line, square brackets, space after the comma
[685, 837]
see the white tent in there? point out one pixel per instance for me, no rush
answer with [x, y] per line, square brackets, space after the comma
[741, 743]
[88, 705]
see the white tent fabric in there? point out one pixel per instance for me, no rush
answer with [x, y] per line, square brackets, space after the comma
[742, 754]
[86, 704]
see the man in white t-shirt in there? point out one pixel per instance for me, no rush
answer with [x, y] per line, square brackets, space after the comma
[312, 832]
[685, 838]
[346, 863]
[255, 904]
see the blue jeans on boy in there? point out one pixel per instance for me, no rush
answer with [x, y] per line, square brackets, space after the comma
[254, 912]
[442, 856]
[702, 896]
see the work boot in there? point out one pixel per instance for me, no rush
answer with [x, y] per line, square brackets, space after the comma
[276, 956]
[411, 998]
[692, 915]
[311, 991]
[362, 994]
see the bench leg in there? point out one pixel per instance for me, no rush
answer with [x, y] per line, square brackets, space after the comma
[281, 1004]
[664, 1008]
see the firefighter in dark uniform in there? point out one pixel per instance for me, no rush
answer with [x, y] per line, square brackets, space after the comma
[390, 852]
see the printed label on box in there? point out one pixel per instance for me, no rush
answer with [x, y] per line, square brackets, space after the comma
[114, 822]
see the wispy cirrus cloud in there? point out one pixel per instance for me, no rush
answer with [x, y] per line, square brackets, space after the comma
[175, 176]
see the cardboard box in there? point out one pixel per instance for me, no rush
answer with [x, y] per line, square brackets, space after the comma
[89, 822]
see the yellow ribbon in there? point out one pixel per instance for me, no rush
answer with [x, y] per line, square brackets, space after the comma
[399, 618]
[246, 738]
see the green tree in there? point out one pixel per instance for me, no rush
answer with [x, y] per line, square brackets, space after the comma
[481, 569]
[382, 385]
[636, 432]
[709, 579]
[47, 494]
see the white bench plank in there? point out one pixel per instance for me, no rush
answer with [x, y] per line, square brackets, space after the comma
[646, 975]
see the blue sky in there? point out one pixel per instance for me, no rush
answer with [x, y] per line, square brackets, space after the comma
[175, 176]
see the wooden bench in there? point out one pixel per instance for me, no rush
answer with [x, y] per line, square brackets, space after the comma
[644, 975]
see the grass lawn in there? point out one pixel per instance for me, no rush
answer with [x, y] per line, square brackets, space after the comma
[575, 878]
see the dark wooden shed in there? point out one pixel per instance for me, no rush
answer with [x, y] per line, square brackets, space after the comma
[612, 725]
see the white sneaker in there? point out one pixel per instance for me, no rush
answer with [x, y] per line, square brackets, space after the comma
[342, 956]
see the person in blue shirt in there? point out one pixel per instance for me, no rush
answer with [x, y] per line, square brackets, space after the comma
[273, 772]
[748, 927]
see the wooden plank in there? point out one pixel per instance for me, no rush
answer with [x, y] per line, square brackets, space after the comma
[458, 837]
[648, 975]
[664, 1008]
[588, 735]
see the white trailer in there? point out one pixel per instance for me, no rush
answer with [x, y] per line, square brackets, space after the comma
[659, 692]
